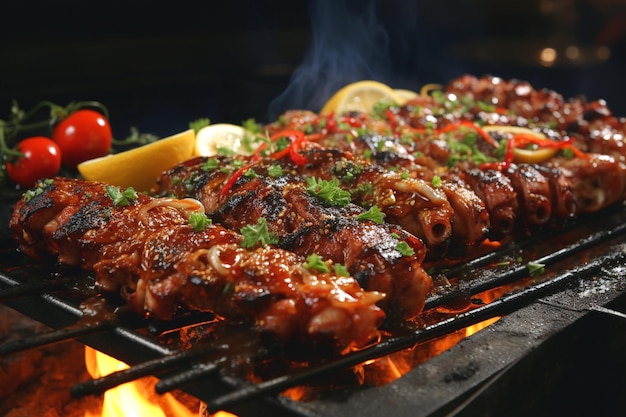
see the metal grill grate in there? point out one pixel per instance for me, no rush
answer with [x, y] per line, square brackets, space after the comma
[210, 369]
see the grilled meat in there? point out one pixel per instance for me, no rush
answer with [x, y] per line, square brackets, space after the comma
[305, 225]
[445, 136]
[147, 249]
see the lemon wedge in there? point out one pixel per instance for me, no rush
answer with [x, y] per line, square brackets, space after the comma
[212, 138]
[360, 96]
[140, 167]
[403, 96]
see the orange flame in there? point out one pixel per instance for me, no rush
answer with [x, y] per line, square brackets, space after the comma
[135, 398]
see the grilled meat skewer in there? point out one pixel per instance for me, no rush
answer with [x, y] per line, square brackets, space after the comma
[305, 225]
[148, 249]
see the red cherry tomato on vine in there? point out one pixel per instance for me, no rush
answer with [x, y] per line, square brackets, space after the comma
[84, 134]
[41, 159]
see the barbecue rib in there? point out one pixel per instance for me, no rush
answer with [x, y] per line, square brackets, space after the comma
[305, 225]
[147, 249]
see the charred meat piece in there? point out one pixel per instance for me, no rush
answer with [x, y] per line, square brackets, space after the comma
[162, 262]
[500, 198]
[371, 251]
[470, 219]
[412, 203]
[598, 181]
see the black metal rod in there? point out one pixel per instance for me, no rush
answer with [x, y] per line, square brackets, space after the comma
[54, 336]
[477, 286]
[32, 288]
[188, 376]
[501, 306]
[99, 385]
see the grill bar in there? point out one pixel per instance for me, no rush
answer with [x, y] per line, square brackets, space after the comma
[199, 370]
[501, 306]
[55, 336]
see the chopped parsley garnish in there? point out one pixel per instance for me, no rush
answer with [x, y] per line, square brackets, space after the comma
[252, 126]
[199, 124]
[225, 150]
[315, 262]
[121, 198]
[258, 233]
[374, 214]
[28, 195]
[328, 192]
[404, 249]
[210, 164]
[199, 221]
[249, 173]
[535, 268]
[274, 170]
[341, 270]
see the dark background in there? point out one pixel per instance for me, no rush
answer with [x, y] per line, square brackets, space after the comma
[157, 66]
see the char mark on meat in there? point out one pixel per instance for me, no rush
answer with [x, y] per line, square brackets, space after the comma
[305, 225]
[148, 251]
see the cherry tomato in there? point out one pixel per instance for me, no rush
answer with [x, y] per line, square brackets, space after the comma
[41, 159]
[84, 134]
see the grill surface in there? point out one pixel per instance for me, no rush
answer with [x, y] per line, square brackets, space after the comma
[540, 330]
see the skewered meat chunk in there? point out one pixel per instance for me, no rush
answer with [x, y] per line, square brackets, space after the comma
[304, 225]
[146, 248]
[412, 203]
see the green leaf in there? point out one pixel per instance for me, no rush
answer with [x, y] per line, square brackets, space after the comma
[341, 270]
[199, 221]
[404, 249]
[374, 214]
[121, 198]
[258, 233]
[315, 262]
[328, 192]
[535, 268]
[198, 124]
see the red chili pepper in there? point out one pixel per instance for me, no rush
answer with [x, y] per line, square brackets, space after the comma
[294, 153]
[352, 121]
[473, 126]
[297, 141]
[331, 123]
[393, 123]
[523, 140]
[233, 178]
[506, 162]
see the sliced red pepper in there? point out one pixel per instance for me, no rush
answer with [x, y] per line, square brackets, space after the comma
[473, 126]
[297, 141]
[231, 181]
[523, 140]
[393, 123]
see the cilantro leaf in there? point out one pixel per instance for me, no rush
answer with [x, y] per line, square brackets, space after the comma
[199, 221]
[374, 214]
[404, 249]
[328, 192]
[535, 268]
[315, 262]
[199, 124]
[254, 234]
[341, 270]
[121, 198]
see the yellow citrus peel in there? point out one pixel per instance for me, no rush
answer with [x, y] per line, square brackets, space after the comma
[360, 96]
[140, 167]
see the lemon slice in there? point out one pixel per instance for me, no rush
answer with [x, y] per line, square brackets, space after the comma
[403, 96]
[212, 138]
[360, 96]
[140, 167]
